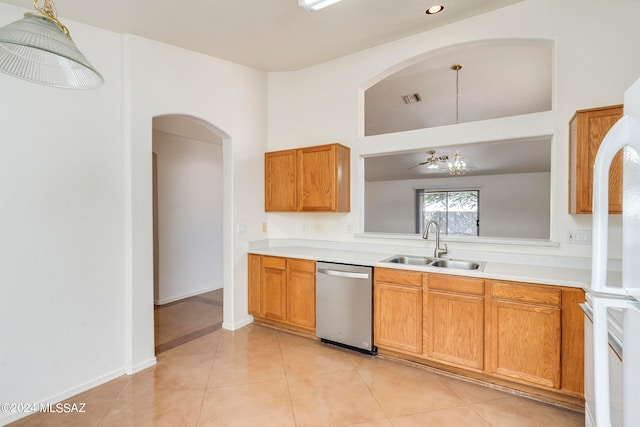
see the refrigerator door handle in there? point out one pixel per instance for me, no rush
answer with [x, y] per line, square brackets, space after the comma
[621, 134]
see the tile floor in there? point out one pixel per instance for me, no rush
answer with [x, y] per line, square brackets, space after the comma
[257, 376]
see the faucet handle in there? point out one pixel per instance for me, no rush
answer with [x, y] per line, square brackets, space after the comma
[442, 251]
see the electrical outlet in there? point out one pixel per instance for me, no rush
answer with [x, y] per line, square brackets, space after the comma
[264, 227]
[579, 237]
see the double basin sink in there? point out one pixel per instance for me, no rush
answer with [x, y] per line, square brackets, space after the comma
[433, 262]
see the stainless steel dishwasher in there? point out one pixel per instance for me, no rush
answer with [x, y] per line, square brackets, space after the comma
[344, 301]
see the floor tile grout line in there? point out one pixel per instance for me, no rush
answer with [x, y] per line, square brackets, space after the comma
[286, 377]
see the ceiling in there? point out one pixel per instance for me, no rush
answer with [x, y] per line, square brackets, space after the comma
[499, 78]
[488, 158]
[270, 35]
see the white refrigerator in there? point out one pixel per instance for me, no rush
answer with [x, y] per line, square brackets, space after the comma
[612, 307]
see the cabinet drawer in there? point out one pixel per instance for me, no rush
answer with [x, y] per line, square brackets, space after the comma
[526, 293]
[303, 265]
[455, 284]
[274, 262]
[399, 277]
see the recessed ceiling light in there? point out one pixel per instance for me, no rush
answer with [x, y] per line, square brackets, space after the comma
[315, 5]
[435, 9]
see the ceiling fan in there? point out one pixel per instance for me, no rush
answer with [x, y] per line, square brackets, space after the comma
[433, 161]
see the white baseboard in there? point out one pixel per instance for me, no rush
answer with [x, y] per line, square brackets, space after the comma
[233, 326]
[141, 366]
[187, 295]
[11, 417]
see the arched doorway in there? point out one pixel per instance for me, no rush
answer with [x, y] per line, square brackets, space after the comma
[188, 229]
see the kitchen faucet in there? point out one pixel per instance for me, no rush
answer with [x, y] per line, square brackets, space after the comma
[438, 251]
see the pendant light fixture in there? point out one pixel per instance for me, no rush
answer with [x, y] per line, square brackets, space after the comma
[39, 48]
[457, 165]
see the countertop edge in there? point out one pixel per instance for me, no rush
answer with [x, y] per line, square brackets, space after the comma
[544, 275]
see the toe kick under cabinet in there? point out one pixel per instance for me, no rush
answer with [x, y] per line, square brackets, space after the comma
[523, 336]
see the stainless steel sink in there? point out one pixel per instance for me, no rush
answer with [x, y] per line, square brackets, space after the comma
[433, 262]
[461, 265]
[409, 260]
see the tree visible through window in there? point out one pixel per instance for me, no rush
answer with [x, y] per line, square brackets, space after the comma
[455, 211]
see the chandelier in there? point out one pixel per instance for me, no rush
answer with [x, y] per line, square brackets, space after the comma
[39, 48]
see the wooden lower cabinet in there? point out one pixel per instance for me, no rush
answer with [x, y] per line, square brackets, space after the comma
[536, 335]
[397, 314]
[255, 269]
[520, 335]
[273, 288]
[301, 293]
[454, 320]
[283, 290]
[526, 340]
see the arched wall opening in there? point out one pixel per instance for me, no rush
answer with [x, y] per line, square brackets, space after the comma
[188, 217]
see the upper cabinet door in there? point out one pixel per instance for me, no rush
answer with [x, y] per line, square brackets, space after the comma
[316, 178]
[308, 179]
[280, 181]
[587, 130]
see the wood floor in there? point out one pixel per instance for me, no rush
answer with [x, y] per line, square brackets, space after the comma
[257, 376]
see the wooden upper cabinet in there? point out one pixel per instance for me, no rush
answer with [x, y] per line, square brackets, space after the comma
[586, 131]
[323, 178]
[280, 193]
[308, 179]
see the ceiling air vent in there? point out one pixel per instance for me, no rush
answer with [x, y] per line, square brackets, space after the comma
[412, 98]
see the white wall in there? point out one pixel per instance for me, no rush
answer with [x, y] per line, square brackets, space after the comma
[61, 229]
[189, 216]
[592, 68]
[76, 223]
[231, 100]
[515, 205]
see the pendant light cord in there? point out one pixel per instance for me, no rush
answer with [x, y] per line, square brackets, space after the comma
[457, 68]
[49, 11]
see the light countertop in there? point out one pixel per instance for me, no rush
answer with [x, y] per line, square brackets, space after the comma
[550, 275]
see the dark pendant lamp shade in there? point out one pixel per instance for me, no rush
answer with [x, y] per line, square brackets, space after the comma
[39, 49]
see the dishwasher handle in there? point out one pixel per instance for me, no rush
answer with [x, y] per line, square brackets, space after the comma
[338, 273]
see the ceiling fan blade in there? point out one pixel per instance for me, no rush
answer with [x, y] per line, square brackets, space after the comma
[419, 164]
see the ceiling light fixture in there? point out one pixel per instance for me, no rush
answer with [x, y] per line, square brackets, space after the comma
[39, 48]
[457, 166]
[433, 161]
[315, 5]
[434, 9]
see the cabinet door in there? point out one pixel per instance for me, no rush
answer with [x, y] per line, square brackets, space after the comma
[587, 130]
[454, 321]
[397, 310]
[254, 284]
[316, 178]
[525, 333]
[273, 288]
[301, 293]
[280, 181]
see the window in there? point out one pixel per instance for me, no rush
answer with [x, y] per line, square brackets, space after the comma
[455, 211]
